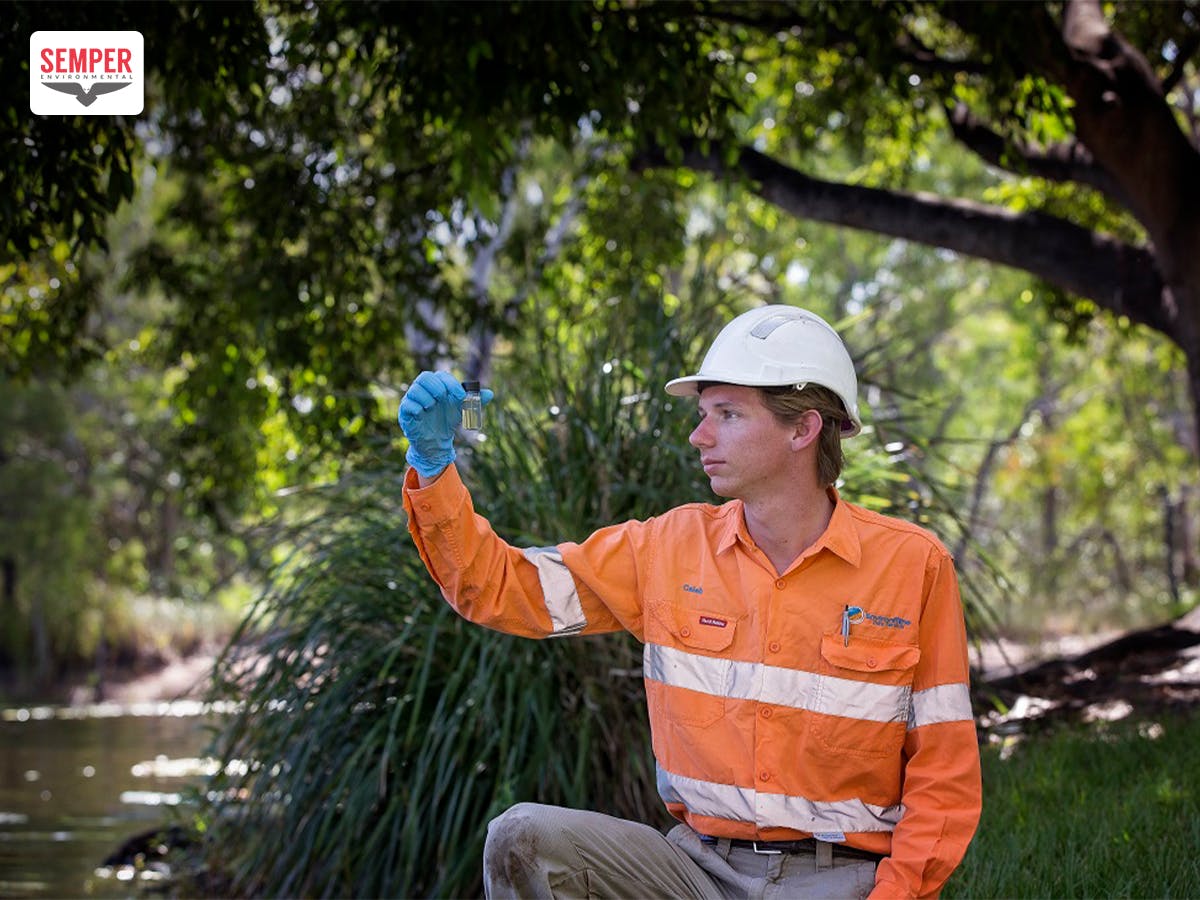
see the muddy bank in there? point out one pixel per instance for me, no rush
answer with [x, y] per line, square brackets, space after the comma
[157, 678]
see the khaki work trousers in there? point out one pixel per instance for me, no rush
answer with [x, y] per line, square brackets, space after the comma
[536, 851]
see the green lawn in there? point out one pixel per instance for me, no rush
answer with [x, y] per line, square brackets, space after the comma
[1113, 812]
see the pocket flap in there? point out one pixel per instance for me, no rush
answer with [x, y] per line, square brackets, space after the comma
[866, 654]
[696, 628]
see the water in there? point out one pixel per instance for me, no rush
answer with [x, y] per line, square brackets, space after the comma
[75, 783]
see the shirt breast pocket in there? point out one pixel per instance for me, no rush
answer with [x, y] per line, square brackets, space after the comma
[685, 662]
[864, 695]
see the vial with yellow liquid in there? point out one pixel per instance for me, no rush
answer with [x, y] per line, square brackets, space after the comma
[472, 407]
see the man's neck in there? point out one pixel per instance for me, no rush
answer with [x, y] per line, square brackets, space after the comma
[786, 524]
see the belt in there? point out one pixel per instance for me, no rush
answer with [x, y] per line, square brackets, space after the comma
[805, 845]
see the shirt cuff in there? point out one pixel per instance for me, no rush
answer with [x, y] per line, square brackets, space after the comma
[435, 501]
[886, 889]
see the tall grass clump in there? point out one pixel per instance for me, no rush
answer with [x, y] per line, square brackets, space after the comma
[378, 733]
[1107, 812]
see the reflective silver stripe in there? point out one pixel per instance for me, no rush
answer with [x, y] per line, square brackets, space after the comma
[772, 684]
[944, 703]
[727, 801]
[707, 674]
[558, 590]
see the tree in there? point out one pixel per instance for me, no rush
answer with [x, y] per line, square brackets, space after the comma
[64, 175]
[315, 172]
[1093, 108]
[1060, 93]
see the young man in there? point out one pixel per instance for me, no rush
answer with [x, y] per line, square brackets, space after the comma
[805, 659]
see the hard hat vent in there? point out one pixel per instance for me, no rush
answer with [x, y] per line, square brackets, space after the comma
[757, 351]
[764, 328]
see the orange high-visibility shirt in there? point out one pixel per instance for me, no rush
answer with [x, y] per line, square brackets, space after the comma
[830, 700]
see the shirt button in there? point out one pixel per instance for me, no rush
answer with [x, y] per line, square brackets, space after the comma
[426, 506]
[764, 775]
[871, 663]
[765, 712]
[774, 646]
[781, 584]
[685, 631]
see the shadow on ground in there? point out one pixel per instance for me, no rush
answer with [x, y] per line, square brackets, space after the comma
[1145, 673]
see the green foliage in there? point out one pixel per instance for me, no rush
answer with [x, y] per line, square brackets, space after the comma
[46, 533]
[434, 725]
[319, 208]
[63, 176]
[440, 724]
[1107, 813]
[90, 528]
[331, 197]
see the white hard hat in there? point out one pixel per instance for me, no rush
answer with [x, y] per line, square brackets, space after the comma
[777, 345]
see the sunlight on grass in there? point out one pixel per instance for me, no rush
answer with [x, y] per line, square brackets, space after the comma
[1110, 812]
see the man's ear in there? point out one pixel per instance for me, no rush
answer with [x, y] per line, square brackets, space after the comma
[807, 429]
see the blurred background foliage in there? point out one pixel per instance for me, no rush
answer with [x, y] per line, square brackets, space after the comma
[201, 361]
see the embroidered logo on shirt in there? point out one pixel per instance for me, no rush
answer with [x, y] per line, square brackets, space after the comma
[713, 620]
[858, 614]
[692, 589]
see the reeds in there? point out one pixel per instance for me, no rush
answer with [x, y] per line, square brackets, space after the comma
[378, 732]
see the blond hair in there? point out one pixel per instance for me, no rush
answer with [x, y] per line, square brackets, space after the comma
[788, 404]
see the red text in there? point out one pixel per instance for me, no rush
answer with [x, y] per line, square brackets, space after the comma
[89, 60]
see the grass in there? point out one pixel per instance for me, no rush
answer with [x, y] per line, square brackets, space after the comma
[1113, 812]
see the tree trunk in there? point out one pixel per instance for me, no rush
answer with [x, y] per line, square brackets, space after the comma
[8, 587]
[8, 606]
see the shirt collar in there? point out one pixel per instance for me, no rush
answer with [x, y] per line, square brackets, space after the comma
[735, 527]
[840, 537]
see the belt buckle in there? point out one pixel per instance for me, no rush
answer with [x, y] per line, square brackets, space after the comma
[766, 852]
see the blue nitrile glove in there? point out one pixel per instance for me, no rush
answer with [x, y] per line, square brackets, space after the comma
[429, 413]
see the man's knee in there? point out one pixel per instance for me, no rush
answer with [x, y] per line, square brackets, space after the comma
[519, 842]
[516, 840]
[513, 832]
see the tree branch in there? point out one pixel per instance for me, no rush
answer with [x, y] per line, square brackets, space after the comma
[908, 47]
[920, 55]
[1119, 277]
[1186, 50]
[1120, 114]
[1069, 161]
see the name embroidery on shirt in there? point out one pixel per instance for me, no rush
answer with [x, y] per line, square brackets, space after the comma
[714, 621]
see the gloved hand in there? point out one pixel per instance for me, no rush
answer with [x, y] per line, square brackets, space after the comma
[429, 413]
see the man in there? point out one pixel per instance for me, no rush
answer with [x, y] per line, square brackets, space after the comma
[805, 659]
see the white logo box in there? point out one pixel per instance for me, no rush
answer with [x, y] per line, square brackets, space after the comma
[86, 73]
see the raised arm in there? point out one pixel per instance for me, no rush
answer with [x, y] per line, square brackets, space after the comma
[527, 591]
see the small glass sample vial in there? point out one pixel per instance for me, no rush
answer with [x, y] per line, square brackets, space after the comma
[472, 407]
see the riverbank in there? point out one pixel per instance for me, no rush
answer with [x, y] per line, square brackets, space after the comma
[162, 678]
[178, 678]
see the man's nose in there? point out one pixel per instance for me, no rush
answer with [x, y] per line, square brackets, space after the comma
[701, 436]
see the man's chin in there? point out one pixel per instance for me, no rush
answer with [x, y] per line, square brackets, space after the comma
[720, 488]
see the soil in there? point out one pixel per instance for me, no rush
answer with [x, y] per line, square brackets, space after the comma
[1141, 674]
[182, 678]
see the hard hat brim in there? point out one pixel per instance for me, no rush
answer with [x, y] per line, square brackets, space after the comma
[689, 386]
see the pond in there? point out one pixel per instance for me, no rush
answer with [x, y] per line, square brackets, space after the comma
[77, 782]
